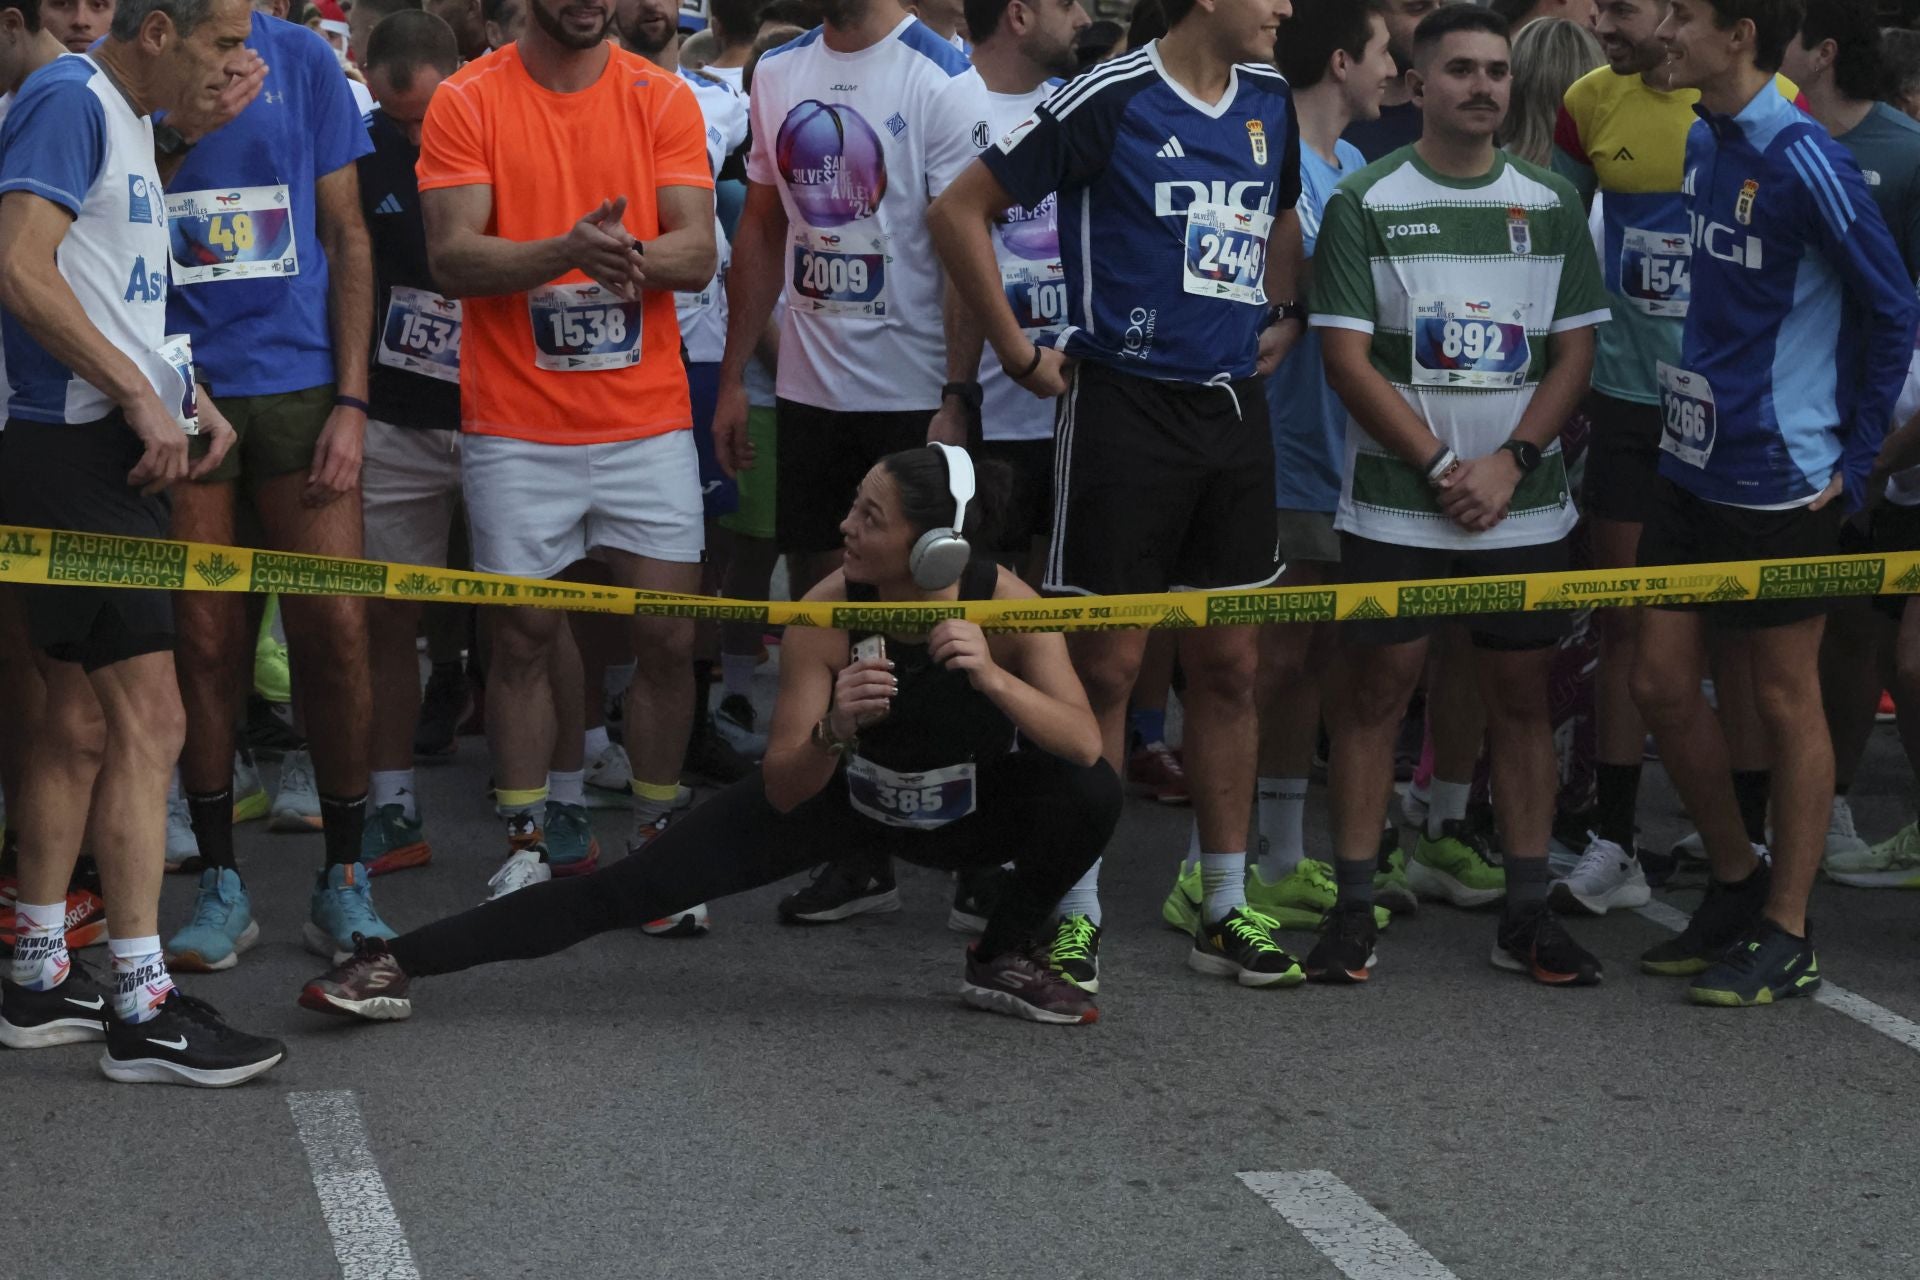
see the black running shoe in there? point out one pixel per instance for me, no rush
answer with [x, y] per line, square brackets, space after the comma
[1074, 955]
[186, 1043]
[1727, 913]
[1767, 965]
[441, 707]
[1537, 944]
[859, 885]
[1240, 946]
[976, 892]
[713, 757]
[1344, 953]
[75, 1010]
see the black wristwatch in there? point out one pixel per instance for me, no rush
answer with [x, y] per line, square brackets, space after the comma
[1525, 455]
[1284, 311]
[169, 141]
[968, 393]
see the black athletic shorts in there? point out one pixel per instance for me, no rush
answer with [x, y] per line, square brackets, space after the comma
[1623, 459]
[1364, 560]
[1889, 527]
[1682, 529]
[824, 455]
[1161, 486]
[1029, 512]
[73, 477]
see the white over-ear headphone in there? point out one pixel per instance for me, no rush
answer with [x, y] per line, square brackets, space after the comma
[940, 556]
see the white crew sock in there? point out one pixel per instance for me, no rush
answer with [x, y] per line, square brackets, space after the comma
[1283, 821]
[141, 982]
[597, 742]
[393, 786]
[736, 672]
[1223, 882]
[40, 950]
[567, 788]
[1084, 898]
[1447, 802]
[1192, 860]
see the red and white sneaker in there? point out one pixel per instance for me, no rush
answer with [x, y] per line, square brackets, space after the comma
[1021, 986]
[86, 920]
[1157, 767]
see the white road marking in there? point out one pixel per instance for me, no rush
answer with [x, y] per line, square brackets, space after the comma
[1879, 1018]
[1336, 1220]
[367, 1238]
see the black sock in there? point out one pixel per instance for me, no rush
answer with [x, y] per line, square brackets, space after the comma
[10, 852]
[343, 823]
[1750, 788]
[702, 688]
[1528, 880]
[1841, 788]
[212, 817]
[1617, 791]
[1354, 880]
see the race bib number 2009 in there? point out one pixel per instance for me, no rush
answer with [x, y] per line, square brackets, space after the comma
[1470, 343]
[581, 327]
[242, 234]
[836, 274]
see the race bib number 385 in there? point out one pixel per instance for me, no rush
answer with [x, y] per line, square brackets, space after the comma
[241, 234]
[1471, 343]
[919, 800]
[581, 327]
[1227, 252]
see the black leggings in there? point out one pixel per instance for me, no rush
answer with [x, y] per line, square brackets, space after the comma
[1049, 818]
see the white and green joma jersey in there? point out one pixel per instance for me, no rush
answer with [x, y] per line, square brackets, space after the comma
[1460, 283]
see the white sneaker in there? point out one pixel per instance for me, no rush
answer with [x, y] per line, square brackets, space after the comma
[1690, 848]
[524, 868]
[296, 807]
[181, 843]
[690, 923]
[1606, 877]
[736, 721]
[1894, 863]
[610, 779]
[1843, 842]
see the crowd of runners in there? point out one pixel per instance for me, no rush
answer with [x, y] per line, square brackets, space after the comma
[960, 302]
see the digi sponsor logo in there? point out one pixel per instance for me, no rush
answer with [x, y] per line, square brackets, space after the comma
[1727, 245]
[1171, 199]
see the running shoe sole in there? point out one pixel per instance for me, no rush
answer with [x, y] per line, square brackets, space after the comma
[405, 858]
[873, 904]
[1876, 879]
[1344, 977]
[1677, 968]
[194, 962]
[1503, 959]
[1401, 902]
[156, 1071]
[1430, 883]
[1220, 966]
[251, 808]
[692, 923]
[579, 866]
[1723, 999]
[1624, 898]
[47, 1035]
[293, 823]
[373, 1008]
[994, 1001]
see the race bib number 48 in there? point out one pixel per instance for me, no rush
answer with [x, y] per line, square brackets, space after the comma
[1687, 423]
[1656, 271]
[1470, 344]
[918, 800]
[242, 234]
[422, 334]
[1227, 252]
[581, 327]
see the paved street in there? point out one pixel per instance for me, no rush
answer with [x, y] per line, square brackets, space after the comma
[777, 1102]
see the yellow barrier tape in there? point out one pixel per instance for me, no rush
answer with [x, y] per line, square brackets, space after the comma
[44, 556]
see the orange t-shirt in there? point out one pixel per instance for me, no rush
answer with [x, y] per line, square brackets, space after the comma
[568, 363]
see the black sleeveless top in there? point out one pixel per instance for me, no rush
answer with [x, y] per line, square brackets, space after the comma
[938, 717]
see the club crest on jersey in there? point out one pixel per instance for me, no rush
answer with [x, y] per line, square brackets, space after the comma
[1257, 137]
[1519, 233]
[1743, 207]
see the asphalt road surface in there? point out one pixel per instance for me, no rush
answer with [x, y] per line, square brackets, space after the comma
[769, 1101]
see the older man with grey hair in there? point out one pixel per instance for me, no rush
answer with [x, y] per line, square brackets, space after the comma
[100, 407]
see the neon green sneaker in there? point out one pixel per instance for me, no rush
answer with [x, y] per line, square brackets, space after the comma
[250, 799]
[1074, 955]
[1298, 899]
[1457, 868]
[271, 679]
[1181, 910]
[1894, 863]
[1390, 887]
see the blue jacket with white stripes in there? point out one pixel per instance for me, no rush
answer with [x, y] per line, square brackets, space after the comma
[1803, 318]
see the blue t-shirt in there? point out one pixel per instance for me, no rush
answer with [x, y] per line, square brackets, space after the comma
[1309, 422]
[1165, 206]
[249, 273]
